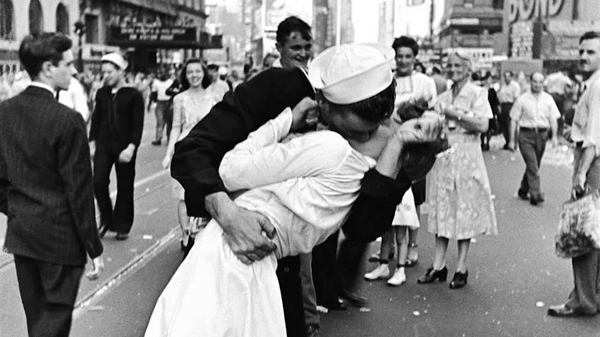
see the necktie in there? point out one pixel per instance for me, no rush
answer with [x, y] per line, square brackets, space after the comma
[57, 94]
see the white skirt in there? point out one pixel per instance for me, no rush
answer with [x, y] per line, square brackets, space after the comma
[214, 294]
[406, 212]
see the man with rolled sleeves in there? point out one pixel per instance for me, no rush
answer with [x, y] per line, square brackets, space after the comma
[534, 114]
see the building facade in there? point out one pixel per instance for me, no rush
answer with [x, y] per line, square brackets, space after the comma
[473, 27]
[151, 32]
[19, 18]
[549, 29]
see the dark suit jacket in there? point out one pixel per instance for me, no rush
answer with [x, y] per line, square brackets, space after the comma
[46, 187]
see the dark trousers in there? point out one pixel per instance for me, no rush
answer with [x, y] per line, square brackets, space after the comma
[164, 116]
[119, 219]
[585, 297]
[48, 292]
[288, 275]
[504, 121]
[532, 144]
[350, 257]
[325, 271]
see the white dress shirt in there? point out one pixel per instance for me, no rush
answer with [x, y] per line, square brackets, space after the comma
[534, 111]
[43, 86]
[509, 93]
[75, 98]
[586, 121]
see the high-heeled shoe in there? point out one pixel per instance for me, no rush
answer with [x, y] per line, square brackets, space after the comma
[433, 274]
[459, 280]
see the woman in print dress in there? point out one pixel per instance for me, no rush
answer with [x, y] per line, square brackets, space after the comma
[459, 197]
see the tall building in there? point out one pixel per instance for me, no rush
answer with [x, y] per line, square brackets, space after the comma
[473, 27]
[19, 18]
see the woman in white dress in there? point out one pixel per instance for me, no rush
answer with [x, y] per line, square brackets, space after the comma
[305, 186]
[189, 107]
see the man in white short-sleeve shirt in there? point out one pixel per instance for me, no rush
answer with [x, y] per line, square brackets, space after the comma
[534, 113]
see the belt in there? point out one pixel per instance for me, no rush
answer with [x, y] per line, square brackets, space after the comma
[534, 129]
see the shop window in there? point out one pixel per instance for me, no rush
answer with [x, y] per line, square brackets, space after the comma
[62, 19]
[36, 17]
[7, 31]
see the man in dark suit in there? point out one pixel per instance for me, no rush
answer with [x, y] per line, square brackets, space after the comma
[46, 188]
[115, 134]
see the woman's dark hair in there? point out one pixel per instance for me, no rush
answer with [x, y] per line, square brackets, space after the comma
[37, 49]
[185, 84]
[376, 108]
[405, 41]
[420, 67]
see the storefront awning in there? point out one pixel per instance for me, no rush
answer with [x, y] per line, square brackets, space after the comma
[156, 5]
[163, 38]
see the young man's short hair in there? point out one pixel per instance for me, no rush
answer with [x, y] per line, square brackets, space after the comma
[292, 24]
[37, 49]
[405, 41]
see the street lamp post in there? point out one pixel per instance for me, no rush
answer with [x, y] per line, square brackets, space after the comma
[80, 30]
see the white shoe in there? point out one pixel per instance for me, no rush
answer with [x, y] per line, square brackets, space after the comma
[398, 278]
[382, 271]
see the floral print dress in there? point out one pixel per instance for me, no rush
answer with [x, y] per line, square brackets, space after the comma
[459, 198]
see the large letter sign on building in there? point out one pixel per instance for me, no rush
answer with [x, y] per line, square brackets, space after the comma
[525, 9]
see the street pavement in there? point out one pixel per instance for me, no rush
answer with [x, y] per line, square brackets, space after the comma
[513, 279]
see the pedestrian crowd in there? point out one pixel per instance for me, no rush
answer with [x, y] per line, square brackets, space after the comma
[271, 167]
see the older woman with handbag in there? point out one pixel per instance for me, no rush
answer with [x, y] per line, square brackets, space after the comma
[459, 197]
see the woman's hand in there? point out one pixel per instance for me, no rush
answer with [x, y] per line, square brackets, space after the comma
[305, 113]
[451, 112]
[426, 129]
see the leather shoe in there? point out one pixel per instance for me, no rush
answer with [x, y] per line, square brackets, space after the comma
[122, 236]
[522, 194]
[313, 330]
[564, 311]
[433, 274]
[535, 200]
[336, 305]
[459, 280]
[354, 298]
